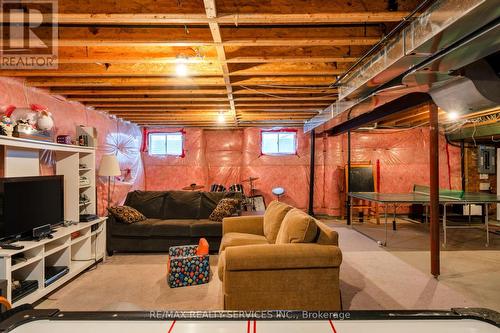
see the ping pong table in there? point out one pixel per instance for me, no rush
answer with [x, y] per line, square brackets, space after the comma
[421, 195]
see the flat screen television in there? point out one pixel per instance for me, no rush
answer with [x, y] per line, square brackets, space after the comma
[30, 202]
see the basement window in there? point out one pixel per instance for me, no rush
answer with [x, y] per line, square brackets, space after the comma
[279, 142]
[166, 144]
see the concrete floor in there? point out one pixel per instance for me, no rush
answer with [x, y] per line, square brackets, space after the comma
[372, 277]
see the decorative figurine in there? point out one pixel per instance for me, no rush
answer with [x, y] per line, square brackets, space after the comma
[7, 125]
[45, 121]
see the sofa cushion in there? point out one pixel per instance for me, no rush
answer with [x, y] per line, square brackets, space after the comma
[171, 228]
[149, 203]
[126, 214]
[206, 228]
[139, 229]
[297, 227]
[237, 239]
[225, 208]
[209, 201]
[273, 216]
[182, 205]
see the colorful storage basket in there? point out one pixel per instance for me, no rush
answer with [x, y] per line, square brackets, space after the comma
[186, 268]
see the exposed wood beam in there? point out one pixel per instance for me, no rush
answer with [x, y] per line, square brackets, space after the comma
[127, 70]
[159, 105]
[188, 99]
[210, 113]
[194, 108]
[135, 54]
[240, 101]
[103, 36]
[211, 12]
[160, 16]
[124, 81]
[312, 18]
[169, 54]
[266, 69]
[256, 105]
[131, 91]
[331, 41]
[151, 91]
[271, 59]
[169, 70]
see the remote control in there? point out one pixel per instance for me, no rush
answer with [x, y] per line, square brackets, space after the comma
[11, 247]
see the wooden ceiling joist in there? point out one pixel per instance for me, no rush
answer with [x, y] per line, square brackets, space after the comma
[164, 91]
[262, 63]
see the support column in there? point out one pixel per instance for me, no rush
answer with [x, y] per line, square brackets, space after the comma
[311, 172]
[434, 187]
[348, 185]
[462, 163]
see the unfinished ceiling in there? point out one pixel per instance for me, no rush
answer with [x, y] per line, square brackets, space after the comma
[261, 63]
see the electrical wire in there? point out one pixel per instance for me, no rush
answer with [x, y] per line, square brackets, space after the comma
[292, 87]
[285, 97]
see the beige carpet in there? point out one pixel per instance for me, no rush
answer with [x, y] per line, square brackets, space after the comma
[372, 277]
[134, 282]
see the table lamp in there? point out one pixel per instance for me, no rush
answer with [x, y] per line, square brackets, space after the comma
[109, 168]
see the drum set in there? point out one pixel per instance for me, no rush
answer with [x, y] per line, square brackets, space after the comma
[249, 201]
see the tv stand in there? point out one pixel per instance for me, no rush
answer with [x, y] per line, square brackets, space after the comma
[76, 247]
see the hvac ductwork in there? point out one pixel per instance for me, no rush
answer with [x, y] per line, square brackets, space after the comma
[426, 56]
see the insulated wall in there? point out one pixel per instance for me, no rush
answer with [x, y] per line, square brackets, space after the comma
[114, 136]
[230, 156]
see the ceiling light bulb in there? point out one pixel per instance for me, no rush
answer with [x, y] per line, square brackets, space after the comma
[220, 117]
[453, 115]
[181, 69]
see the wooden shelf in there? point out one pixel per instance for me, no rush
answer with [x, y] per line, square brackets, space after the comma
[25, 263]
[56, 248]
[35, 144]
[79, 239]
[77, 254]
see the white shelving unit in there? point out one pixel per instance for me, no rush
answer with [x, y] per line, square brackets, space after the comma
[77, 254]
[21, 158]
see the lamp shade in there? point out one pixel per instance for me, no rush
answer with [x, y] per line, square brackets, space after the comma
[109, 166]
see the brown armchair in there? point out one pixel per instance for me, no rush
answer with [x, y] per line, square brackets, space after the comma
[259, 275]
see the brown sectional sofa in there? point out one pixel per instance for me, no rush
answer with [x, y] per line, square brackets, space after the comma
[174, 218]
[284, 260]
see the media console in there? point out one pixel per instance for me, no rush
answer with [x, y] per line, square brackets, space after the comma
[77, 247]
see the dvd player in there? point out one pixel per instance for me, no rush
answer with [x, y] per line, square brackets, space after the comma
[54, 273]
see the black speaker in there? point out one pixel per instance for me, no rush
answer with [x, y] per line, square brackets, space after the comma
[42, 231]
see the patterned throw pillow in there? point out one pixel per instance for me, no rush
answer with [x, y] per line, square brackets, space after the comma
[225, 208]
[126, 214]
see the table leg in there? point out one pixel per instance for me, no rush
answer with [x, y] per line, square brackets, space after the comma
[350, 211]
[385, 223]
[470, 215]
[444, 225]
[427, 215]
[486, 223]
[394, 218]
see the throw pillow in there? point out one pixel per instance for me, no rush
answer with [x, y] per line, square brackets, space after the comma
[225, 208]
[297, 227]
[273, 216]
[126, 214]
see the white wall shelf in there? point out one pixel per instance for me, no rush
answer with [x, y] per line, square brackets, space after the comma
[35, 144]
